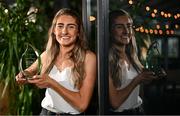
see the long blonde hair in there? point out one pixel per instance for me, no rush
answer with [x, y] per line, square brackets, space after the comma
[115, 69]
[77, 54]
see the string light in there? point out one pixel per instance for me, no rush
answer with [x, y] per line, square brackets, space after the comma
[172, 32]
[155, 13]
[92, 18]
[169, 15]
[147, 8]
[142, 30]
[175, 17]
[146, 31]
[158, 26]
[167, 32]
[178, 15]
[165, 15]
[160, 32]
[162, 13]
[130, 2]
[137, 29]
[154, 31]
[167, 26]
[155, 10]
[176, 26]
[151, 31]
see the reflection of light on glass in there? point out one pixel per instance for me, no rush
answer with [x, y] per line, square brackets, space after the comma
[173, 47]
[143, 52]
[153, 62]
[92, 18]
[159, 46]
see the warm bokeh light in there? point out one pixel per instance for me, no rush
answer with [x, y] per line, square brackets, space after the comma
[169, 15]
[158, 26]
[151, 31]
[160, 32]
[176, 26]
[146, 31]
[147, 8]
[162, 13]
[155, 31]
[155, 10]
[137, 29]
[175, 17]
[153, 15]
[141, 27]
[130, 2]
[92, 18]
[167, 26]
[178, 15]
[165, 15]
[141, 30]
[172, 32]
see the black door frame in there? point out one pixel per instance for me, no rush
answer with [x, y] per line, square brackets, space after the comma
[102, 48]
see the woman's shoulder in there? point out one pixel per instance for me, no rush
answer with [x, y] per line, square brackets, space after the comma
[90, 54]
[44, 56]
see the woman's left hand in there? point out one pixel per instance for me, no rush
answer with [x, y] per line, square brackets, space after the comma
[41, 81]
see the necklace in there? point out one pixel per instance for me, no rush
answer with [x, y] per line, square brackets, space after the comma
[61, 64]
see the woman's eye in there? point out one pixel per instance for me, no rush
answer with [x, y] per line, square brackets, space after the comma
[71, 26]
[119, 27]
[60, 26]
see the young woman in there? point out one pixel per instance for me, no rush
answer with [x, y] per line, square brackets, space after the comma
[125, 69]
[68, 67]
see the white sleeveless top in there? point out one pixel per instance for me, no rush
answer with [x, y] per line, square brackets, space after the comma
[133, 99]
[52, 100]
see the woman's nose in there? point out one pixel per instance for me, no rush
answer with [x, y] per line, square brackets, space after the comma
[64, 30]
[125, 29]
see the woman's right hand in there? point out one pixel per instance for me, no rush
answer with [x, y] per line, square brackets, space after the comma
[145, 76]
[20, 78]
